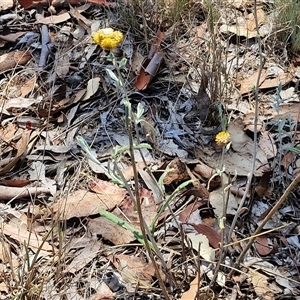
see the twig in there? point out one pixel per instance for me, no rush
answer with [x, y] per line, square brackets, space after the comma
[250, 175]
[248, 184]
[248, 238]
[285, 195]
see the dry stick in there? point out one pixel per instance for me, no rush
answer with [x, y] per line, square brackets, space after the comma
[287, 192]
[9, 193]
[248, 184]
[184, 254]
[226, 246]
[250, 175]
[263, 233]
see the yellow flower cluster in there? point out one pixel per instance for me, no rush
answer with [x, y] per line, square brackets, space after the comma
[107, 38]
[222, 138]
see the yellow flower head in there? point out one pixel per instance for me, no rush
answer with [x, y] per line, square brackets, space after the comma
[223, 138]
[107, 38]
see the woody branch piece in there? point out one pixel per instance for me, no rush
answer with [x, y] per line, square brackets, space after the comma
[285, 195]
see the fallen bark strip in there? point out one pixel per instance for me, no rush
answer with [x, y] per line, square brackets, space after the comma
[8, 193]
[45, 40]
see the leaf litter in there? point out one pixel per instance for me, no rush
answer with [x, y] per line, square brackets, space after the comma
[57, 85]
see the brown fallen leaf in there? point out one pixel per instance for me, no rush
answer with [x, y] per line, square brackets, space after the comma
[194, 293]
[285, 110]
[24, 237]
[12, 104]
[137, 62]
[126, 211]
[128, 172]
[110, 231]
[287, 160]
[282, 78]
[261, 285]
[239, 29]
[201, 30]
[84, 256]
[8, 132]
[107, 188]
[134, 270]
[240, 163]
[6, 253]
[263, 247]
[199, 192]
[103, 293]
[189, 209]
[249, 83]
[248, 121]
[251, 22]
[213, 237]
[83, 203]
[264, 188]
[55, 19]
[204, 170]
[83, 21]
[268, 145]
[216, 199]
[28, 86]
[62, 66]
[21, 145]
[148, 206]
[12, 37]
[3, 287]
[12, 59]
[177, 172]
[240, 141]
[101, 2]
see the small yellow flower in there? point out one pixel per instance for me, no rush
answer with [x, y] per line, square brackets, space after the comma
[223, 138]
[107, 38]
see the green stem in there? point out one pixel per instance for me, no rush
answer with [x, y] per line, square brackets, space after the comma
[166, 203]
[111, 217]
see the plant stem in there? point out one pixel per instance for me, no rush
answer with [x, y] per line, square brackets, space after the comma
[143, 224]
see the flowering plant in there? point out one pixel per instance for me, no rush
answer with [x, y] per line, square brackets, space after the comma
[107, 38]
[223, 138]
